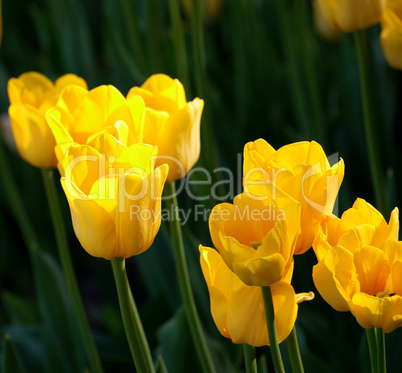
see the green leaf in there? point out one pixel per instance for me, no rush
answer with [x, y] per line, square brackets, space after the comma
[161, 366]
[55, 308]
[11, 361]
[20, 310]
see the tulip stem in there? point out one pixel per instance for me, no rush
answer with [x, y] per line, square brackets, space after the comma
[368, 118]
[294, 352]
[372, 342]
[179, 45]
[207, 137]
[61, 238]
[310, 73]
[381, 351]
[184, 282]
[295, 83]
[249, 358]
[273, 337]
[132, 323]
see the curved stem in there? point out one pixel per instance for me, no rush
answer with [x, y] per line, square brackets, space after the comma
[372, 342]
[273, 338]
[382, 367]
[184, 282]
[68, 270]
[294, 352]
[250, 360]
[368, 118]
[132, 323]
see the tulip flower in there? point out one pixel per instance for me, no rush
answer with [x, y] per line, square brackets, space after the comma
[80, 114]
[256, 239]
[114, 195]
[172, 123]
[238, 310]
[391, 34]
[31, 95]
[360, 264]
[352, 15]
[299, 170]
[324, 23]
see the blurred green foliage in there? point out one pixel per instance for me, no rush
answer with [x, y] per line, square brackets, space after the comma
[249, 96]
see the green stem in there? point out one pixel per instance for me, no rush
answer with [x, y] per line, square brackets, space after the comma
[273, 338]
[294, 352]
[210, 157]
[295, 84]
[17, 207]
[382, 368]
[179, 45]
[131, 319]
[154, 21]
[368, 118]
[310, 74]
[68, 269]
[184, 282]
[372, 342]
[249, 358]
[131, 19]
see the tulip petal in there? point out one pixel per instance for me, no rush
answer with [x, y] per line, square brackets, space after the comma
[140, 221]
[93, 226]
[30, 130]
[238, 310]
[371, 311]
[326, 281]
[372, 269]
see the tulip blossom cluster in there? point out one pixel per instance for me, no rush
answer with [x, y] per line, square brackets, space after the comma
[113, 152]
[298, 183]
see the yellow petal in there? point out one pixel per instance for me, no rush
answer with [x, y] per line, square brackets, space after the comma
[70, 79]
[362, 213]
[140, 221]
[232, 303]
[93, 226]
[179, 140]
[30, 88]
[371, 311]
[101, 107]
[136, 106]
[33, 137]
[391, 34]
[83, 166]
[372, 269]
[352, 15]
[326, 282]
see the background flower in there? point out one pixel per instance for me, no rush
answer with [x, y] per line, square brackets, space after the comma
[359, 262]
[172, 123]
[31, 95]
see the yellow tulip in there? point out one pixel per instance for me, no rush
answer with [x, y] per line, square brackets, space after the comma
[324, 23]
[238, 310]
[114, 195]
[352, 15]
[256, 239]
[171, 123]
[31, 95]
[391, 34]
[360, 264]
[299, 170]
[80, 114]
